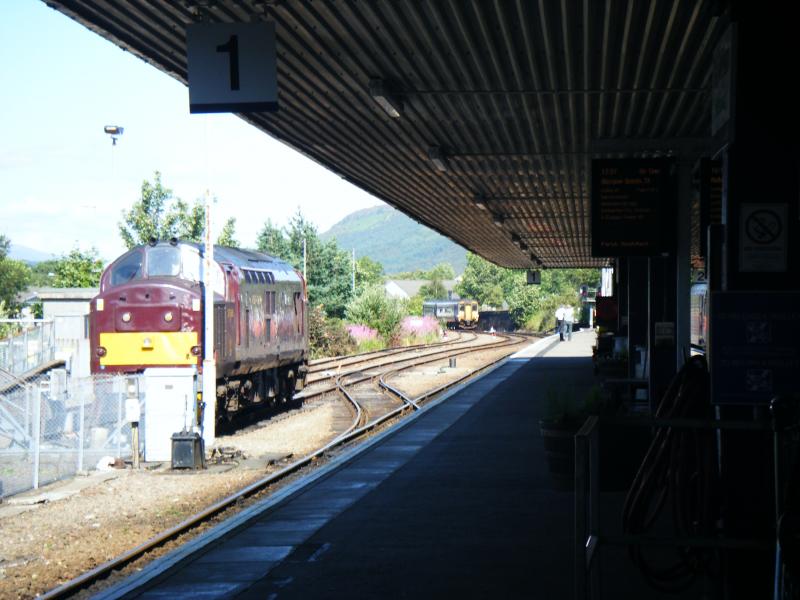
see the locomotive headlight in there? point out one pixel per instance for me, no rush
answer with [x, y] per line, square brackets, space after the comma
[126, 317]
[100, 304]
[196, 350]
[147, 344]
[100, 351]
[196, 304]
[168, 317]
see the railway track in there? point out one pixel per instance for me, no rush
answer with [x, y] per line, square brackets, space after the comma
[371, 407]
[331, 368]
[335, 362]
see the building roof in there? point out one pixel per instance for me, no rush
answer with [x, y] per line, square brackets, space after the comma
[54, 294]
[495, 109]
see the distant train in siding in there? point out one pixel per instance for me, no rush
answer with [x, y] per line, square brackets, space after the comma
[456, 314]
[149, 313]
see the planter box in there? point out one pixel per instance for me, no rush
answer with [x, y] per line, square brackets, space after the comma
[559, 452]
[621, 452]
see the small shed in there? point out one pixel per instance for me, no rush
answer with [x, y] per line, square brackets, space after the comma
[68, 310]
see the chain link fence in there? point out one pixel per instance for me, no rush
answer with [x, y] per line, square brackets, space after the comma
[56, 427]
[25, 345]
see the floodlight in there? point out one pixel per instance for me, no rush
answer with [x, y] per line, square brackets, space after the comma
[114, 131]
[391, 105]
[437, 158]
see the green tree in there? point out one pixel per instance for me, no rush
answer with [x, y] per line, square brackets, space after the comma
[327, 336]
[14, 277]
[228, 235]
[189, 221]
[372, 307]
[442, 271]
[486, 282]
[42, 273]
[272, 240]
[147, 218]
[414, 305]
[328, 267]
[434, 290]
[78, 269]
[368, 272]
[157, 214]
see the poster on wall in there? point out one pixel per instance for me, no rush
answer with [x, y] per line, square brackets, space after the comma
[753, 350]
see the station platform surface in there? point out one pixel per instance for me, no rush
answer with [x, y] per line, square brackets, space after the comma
[458, 502]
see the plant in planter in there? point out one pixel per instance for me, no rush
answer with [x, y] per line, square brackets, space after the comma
[611, 365]
[564, 414]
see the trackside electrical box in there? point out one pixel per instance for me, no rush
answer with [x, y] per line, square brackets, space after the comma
[188, 451]
[169, 407]
[534, 277]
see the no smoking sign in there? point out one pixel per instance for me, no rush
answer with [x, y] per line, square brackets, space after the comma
[763, 238]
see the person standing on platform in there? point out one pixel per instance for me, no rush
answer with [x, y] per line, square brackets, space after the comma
[569, 319]
[560, 322]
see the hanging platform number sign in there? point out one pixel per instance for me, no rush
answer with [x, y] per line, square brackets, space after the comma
[232, 67]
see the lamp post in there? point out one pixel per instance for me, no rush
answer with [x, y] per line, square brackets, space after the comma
[209, 362]
[113, 131]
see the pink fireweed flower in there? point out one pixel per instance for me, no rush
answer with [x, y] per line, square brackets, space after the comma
[361, 333]
[419, 326]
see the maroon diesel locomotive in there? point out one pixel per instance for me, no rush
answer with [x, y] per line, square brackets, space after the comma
[149, 313]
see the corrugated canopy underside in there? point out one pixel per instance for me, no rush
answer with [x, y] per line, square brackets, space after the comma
[517, 96]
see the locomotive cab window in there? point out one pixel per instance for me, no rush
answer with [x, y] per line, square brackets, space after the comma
[127, 269]
[164, 261]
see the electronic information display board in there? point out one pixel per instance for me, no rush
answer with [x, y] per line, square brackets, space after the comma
[633, 208]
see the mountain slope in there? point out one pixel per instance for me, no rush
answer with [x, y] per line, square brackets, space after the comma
[396, 241]
[28, 255]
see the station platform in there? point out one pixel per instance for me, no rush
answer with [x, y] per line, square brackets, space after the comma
[456, 502]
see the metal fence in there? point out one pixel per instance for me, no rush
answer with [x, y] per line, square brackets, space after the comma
[28, 345]
[56, 427]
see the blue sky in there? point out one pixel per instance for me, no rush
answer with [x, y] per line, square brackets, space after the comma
[62, 184]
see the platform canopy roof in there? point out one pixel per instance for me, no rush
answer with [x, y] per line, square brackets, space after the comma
[502, 103]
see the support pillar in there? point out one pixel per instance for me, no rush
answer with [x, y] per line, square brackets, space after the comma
[761, 161]
[683, 270]
[621, 294]
[637, 307]
[661, 318]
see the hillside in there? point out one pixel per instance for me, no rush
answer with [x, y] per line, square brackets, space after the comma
[396, 241]
[28, 255]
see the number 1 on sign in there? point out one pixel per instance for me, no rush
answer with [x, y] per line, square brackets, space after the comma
[232, 48]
